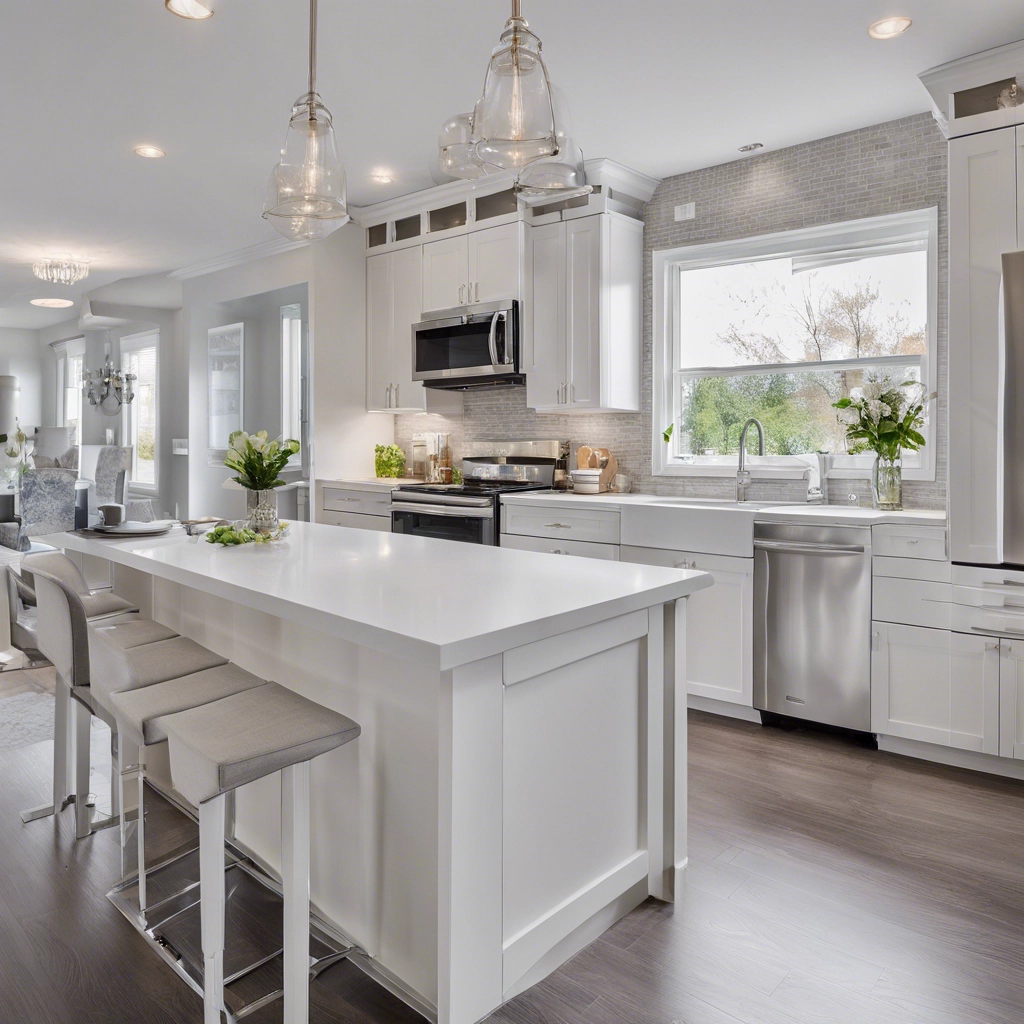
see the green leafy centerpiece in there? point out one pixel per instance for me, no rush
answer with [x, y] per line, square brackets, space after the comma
[882, 417]
[258, 462]
[388, 460]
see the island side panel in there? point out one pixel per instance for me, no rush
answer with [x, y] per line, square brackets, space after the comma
[575, 792]
[374, 802]
[675, 724]
[469, 861]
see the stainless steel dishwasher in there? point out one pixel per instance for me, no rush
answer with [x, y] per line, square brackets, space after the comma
[812, 622]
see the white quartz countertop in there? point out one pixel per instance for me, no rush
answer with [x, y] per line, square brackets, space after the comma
[763, 511]
[387, 484]
[415, 597]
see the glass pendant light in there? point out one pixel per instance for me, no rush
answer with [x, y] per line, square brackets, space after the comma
[61, 270]
[561, 175]
[456, 150]
[307, 194]
[514, 121]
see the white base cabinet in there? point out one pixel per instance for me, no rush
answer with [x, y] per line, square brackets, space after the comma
[720, 631]
[936, 686]
[1011, 699]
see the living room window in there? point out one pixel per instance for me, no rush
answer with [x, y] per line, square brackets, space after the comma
[140, 417]
[70, 363]
[779, 327]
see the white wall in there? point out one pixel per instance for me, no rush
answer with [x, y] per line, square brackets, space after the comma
[20, 357]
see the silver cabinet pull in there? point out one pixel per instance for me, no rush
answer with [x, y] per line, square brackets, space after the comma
[477, 291]
[398, 403]
[387, 400]
[995, 629]
[557, 526]
[462, 290]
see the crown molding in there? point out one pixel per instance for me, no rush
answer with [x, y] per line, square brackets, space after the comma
[232, 259]
[414, 202]
[611, 174]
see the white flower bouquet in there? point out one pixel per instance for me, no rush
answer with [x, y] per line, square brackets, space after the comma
[883, 418]
[258, 460]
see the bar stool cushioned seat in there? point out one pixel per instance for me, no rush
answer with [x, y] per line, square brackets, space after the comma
[219, 747]
[132, 631]
[143, 711]
[113, 669]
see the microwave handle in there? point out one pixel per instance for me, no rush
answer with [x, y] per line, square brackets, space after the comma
[492, 344]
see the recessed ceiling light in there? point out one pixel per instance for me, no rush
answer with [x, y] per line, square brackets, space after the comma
[150, 152]
[382, 176]
[889, 28]
[194, 10]
[52, 303]
[751, 146]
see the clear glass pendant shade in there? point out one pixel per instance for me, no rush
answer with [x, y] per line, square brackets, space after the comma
[514, 122]
[555, 177]
[307, 192]
[456, 150]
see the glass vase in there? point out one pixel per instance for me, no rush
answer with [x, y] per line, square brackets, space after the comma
[887, 482]
[261, 510]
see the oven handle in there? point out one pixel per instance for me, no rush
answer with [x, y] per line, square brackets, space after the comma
[461, 511]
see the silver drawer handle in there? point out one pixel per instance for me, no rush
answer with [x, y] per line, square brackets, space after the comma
[556, 526]
[993, 629]
[1005, 583]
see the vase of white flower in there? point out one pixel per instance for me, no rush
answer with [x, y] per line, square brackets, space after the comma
[258, 461]
[882, 418]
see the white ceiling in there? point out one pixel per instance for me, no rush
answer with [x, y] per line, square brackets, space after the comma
[664, 86]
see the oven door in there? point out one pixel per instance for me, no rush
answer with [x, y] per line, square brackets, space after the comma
[444, 522]
[473, 341]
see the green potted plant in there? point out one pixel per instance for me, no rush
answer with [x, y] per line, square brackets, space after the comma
[389, 460]
[258, 461]
[883, 418]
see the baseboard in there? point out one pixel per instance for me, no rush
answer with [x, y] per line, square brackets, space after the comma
[723, 707]
[972, 759]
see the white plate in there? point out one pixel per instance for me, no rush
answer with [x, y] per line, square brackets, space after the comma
[133, 529]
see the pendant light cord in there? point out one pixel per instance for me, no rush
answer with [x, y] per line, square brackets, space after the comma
[312, 59]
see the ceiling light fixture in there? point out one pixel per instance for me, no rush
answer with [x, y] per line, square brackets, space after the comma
[62, 270]
[150, 152]
[519, 124]
[382, 177]
[307, 195]
[193, 10]
[52, 303]
[889, 28]
[751, 146]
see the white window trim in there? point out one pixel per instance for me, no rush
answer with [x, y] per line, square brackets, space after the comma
[868, 231]
[131, 343]
[62, 350]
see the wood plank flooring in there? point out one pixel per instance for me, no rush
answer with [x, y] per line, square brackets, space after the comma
[827, 883]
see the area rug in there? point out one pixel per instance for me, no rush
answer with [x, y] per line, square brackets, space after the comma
[25, 719]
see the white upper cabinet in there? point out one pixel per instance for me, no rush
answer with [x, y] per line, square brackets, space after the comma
[581, 328]
[393, 283]
[482, 266]
[445, 273]
[983, 217]
[494, 262]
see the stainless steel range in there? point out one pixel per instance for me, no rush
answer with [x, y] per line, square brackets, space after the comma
[470, 511]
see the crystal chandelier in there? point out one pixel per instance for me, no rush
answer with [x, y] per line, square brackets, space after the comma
[61, 270]
[307, 196]
[109, 388]
[519, 124]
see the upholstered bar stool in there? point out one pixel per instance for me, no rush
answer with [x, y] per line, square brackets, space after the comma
[215, 749]
[98, 604]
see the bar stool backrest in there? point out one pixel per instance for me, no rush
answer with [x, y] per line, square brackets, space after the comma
[63, 628]
[56, 564]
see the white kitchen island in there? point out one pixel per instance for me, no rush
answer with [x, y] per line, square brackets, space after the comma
[520, 781]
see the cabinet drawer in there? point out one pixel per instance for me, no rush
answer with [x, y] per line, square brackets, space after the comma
[910, 541]
[585, 549]
[912, 569]
[357, 521]
[563, 523]
[912, 602]
[371, 503]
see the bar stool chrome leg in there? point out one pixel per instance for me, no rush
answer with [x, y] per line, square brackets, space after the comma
[295, 876]
[63, 784]
[212, 905]
[86, 819]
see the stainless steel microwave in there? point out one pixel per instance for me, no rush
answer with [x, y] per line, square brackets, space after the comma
[468, 347]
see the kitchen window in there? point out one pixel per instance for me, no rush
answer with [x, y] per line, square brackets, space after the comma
[140, 417]
[781, 326]
[293, 382]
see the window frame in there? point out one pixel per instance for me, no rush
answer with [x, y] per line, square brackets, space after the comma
[133, 343]
[867, 232]
[73, 348]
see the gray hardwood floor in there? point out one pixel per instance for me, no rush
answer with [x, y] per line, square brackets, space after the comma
[827, 883]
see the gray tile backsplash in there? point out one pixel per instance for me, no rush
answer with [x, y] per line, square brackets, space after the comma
[887, 168]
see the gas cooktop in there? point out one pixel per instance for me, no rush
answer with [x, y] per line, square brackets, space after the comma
[476, 488]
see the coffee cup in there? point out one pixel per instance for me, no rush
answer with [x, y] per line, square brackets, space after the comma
[112, 514]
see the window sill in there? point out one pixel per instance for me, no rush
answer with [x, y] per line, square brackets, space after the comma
[915, 473]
